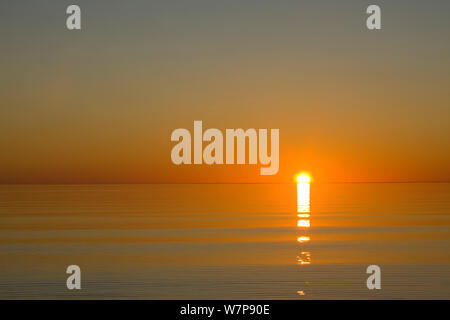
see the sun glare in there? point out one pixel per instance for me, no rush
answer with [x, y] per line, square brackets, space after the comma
[303, 178]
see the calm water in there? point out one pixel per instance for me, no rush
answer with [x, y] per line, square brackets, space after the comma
[226, 241]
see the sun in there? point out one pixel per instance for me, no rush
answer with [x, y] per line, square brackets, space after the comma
[303, 178]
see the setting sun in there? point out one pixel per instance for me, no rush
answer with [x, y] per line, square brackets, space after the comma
[303, 178]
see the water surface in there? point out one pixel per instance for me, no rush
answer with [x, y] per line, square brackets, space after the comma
[226, 241]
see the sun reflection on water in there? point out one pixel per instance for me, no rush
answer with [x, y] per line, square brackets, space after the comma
[303, 205]
[304, 258]
[303, 212]
[303, 223]
[303, 239]
[303, 197]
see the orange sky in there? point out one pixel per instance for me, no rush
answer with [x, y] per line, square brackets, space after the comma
[98, 106]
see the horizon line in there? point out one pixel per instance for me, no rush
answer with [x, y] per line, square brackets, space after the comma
[207, 183]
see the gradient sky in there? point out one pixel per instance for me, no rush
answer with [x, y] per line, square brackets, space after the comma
[99, 105]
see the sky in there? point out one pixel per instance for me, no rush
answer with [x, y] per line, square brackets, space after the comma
[99, 105]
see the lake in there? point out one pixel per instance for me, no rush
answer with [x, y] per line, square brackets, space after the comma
[225, 241]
